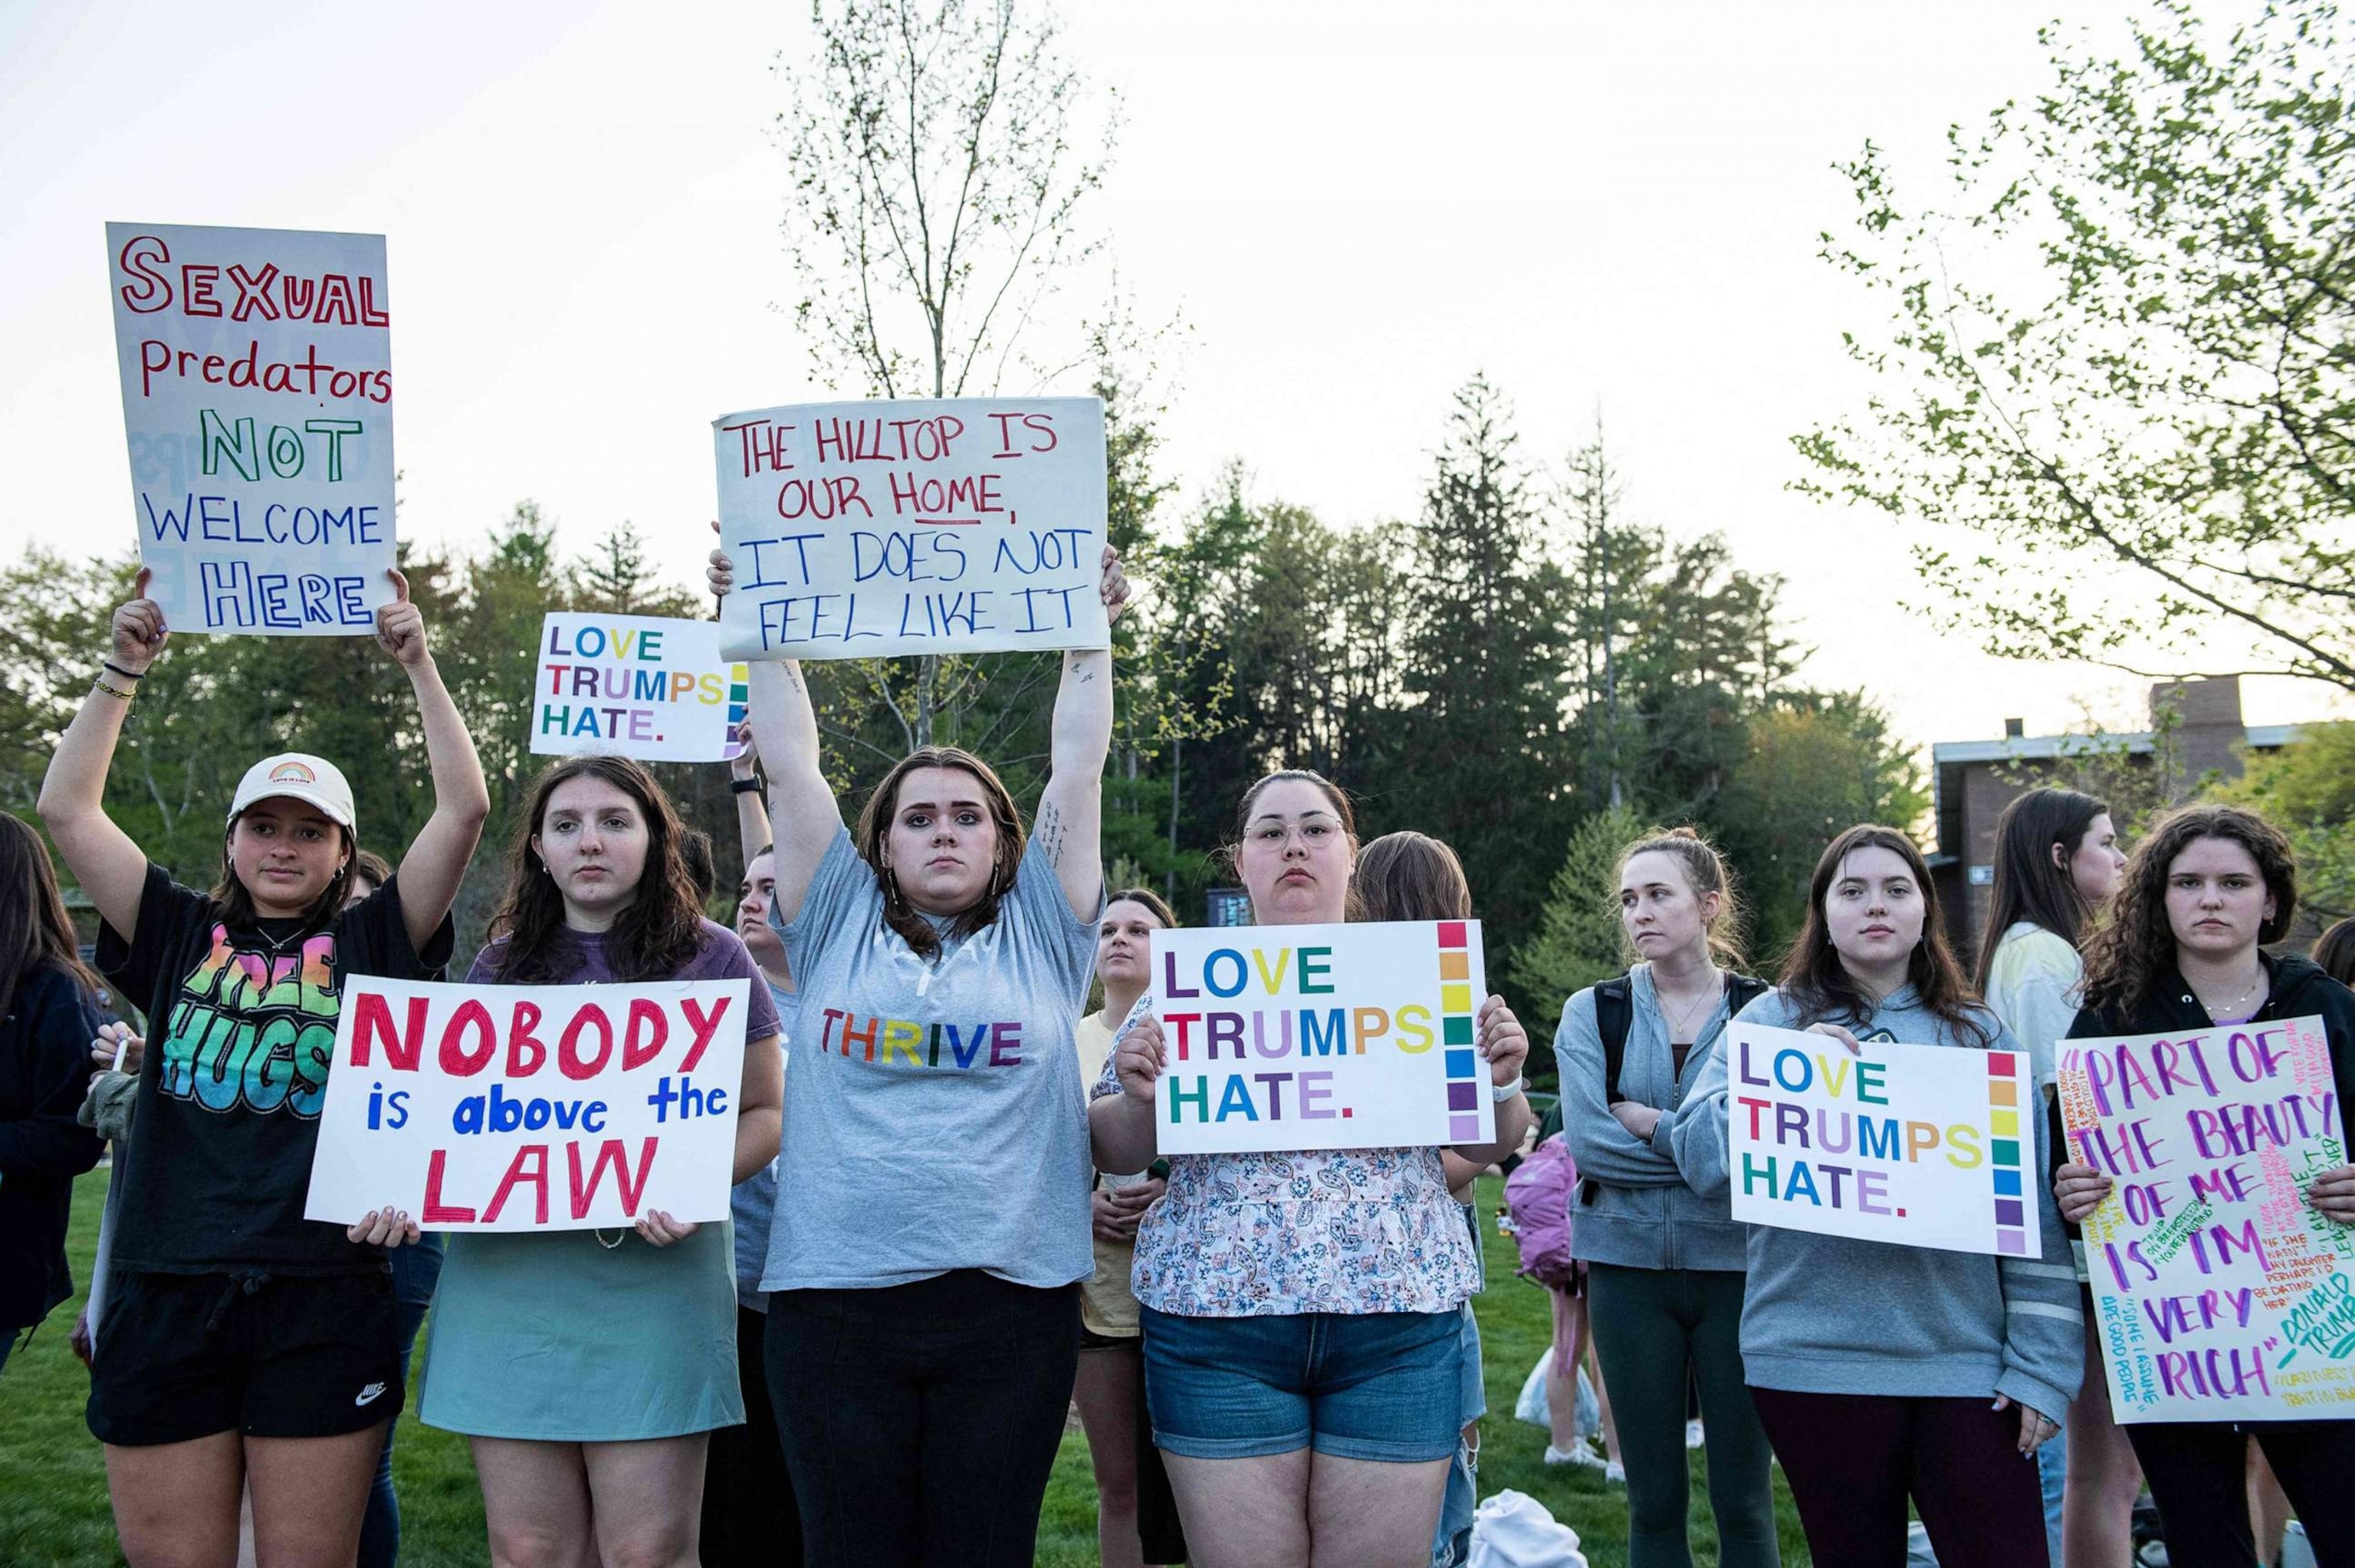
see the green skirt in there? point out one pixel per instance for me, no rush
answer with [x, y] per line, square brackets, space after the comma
[555, 1338]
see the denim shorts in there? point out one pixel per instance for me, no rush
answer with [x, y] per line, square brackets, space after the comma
[1385, 1387]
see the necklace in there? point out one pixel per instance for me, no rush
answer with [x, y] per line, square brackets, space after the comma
[619, 1237]
[2233, 1007]
[1679, 1027]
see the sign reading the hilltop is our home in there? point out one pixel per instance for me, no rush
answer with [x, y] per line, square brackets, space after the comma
[484, 1107]
[257, 394]
[1918, 1145]
[1356, 1036]
[636, 686]
[2220, 1292]
[946, 525]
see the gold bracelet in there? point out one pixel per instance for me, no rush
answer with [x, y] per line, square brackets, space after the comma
[111, 691]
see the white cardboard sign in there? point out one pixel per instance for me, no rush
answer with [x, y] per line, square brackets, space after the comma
[257, 394]
[2220, 1292]
[635, 685]
[491, 1108]
[1356, 1036]
[1917, 1145]
[925, 525]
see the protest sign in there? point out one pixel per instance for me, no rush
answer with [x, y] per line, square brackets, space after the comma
[635, 685]
[1355, 1037]
[1919, 1145]
[950, 525]
[531, 1108]
[2219, 1293]
[257, 394]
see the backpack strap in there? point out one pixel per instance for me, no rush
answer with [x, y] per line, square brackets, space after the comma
[1741, 991]
[1614, 1014]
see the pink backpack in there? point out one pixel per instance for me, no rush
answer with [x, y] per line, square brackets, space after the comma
[1537, 1196]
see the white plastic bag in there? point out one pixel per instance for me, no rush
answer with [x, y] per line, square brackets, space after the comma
[1531, 1406]
[1512, 1530]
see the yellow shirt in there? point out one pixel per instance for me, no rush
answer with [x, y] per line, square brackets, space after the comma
[1107, 1305]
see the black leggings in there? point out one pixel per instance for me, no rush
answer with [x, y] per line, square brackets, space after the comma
[748, 1517]
[920, 1422]
[2198, 1470]
[1854, 1459]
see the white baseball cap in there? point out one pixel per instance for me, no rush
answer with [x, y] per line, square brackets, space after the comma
[296, 776]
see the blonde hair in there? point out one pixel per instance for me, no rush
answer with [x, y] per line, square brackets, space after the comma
[1707, 872]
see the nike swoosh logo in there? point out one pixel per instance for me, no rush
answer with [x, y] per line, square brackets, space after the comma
[368, 1394]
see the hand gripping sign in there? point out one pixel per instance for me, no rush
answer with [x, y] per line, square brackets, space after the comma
[257, 394]
[2220, 1292]
[948, 525]
[1356, 1037]
[494, 1108]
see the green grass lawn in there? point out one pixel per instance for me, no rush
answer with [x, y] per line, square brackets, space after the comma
[53, 1508]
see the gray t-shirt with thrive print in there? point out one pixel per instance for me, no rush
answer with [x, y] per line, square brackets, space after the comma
[933, 1119]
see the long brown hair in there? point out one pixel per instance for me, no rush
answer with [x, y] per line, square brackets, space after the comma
[660, 932]
[34, 928]
[1819, 985]
[2127, 955]
[875, 834]
[1334, 797]
[2335, 951]
[1707, 872]
[1411, 876]
[2029, 884]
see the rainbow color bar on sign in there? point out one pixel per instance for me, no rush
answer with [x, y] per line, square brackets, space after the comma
[740, 707]
[1463, 1084]
[2003, 1142]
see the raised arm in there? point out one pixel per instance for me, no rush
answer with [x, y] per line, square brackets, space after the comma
[784, 732]
[437, 857]
[1069, 829]
[111, 868]
[753, 833]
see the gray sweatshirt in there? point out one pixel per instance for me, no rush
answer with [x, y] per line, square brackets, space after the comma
[1828, 1315]
[1644, 1214]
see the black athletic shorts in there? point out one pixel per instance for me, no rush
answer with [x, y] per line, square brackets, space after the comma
[185, 1355]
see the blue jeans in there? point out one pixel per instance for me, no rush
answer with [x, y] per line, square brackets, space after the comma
[415, 1271]
[1452, 1546]
[2052, 1472]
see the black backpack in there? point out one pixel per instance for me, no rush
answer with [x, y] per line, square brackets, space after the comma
[1614, 1014]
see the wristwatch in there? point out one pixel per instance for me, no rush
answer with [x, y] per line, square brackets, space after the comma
[1500, 1093]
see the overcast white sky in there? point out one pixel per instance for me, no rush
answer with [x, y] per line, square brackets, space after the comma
[1355, 206]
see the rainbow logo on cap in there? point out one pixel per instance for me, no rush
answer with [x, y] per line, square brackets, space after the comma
[293, 773]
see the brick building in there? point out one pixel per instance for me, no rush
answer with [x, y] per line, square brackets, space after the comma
[1973, 780]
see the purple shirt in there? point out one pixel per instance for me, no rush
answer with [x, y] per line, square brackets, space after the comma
[579, 960]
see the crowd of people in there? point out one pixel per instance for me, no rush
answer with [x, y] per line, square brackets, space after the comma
[938, 1247]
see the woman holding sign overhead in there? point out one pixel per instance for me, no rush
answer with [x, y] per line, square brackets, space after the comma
[244, 1345]
[2183, 956]
[589, 1366]
[1302, 1310]
[931, 1216]
[1886, 1373]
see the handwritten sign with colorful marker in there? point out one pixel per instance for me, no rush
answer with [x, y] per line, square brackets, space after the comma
[530, 1108]
[1919, 1145]
[257, 393]
[636, 686]
[2219, 1293]
[1358, 1036]
[950, 525]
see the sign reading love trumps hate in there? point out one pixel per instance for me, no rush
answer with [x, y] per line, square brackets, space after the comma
[531, 1108]
[1358, 1036]
[1918, 1145]
[933, 526]
[257, 394]
[2220, 1292]
[636, 686]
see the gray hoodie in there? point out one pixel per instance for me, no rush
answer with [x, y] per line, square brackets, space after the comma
[1644, 1214]
[1830, 1315]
